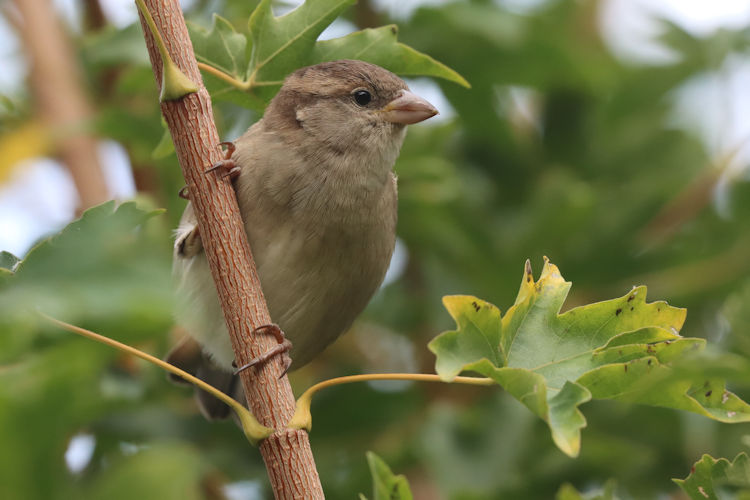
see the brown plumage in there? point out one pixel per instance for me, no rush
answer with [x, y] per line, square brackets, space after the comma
[318, 196]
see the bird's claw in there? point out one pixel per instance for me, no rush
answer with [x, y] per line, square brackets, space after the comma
[230, 149]
[283, 346]
[227, 165]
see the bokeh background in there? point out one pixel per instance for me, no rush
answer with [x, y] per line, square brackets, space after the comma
[609, 135]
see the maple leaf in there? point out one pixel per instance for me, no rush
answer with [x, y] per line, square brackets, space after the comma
[553, 363]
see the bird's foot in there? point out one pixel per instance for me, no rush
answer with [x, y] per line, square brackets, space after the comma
[283, 346]
[227, 165]
[230, 149]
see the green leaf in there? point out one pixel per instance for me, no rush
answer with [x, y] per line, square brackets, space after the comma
[385, 484]
[165, 146]
[280, 45]
[713, 479]
[8, 263]
[568, 492]
[283, 44]
[618, 349]
[380, 46]
[220, 46]
[113, 46]
[105, 264]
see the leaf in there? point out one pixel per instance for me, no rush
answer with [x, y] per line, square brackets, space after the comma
[380, 46]
[105, 265]
[220, 46]
[712, 479]
[8, 261]
[552, 363]
[385, 484]
[568, 492]
[280, 45]
[165, 146]
[285, 43]
[114, 46]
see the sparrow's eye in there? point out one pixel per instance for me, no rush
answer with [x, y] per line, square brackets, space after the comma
[362, 97]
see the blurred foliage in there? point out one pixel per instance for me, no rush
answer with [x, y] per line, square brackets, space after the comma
[386, 484]
[559, 149]
[712, 479]
[568, 492]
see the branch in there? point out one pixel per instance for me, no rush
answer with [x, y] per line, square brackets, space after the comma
[287, 452]
[61, 100]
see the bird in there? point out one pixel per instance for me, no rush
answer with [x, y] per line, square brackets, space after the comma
[317, 193]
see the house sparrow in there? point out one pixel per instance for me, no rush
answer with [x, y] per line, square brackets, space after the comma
[317, 193]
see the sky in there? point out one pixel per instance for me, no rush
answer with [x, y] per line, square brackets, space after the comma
[40, 197]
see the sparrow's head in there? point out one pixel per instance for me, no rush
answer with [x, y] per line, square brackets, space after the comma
[347, 105]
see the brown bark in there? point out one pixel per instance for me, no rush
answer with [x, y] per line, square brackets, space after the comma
[287, 453]
[94, 18]
[60, 97]
[365, 16]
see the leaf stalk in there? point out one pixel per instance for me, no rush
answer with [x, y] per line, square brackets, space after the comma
[302, 418]
[254, 431]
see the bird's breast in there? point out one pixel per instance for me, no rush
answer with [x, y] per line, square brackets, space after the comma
[321, 253]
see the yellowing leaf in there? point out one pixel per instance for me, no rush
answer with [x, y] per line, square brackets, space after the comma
[552, 363]
[710, 476]
[30, 140]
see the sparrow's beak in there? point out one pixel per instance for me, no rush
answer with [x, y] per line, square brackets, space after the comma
[408, 108]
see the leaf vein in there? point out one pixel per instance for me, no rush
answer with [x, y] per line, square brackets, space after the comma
[297, 37]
